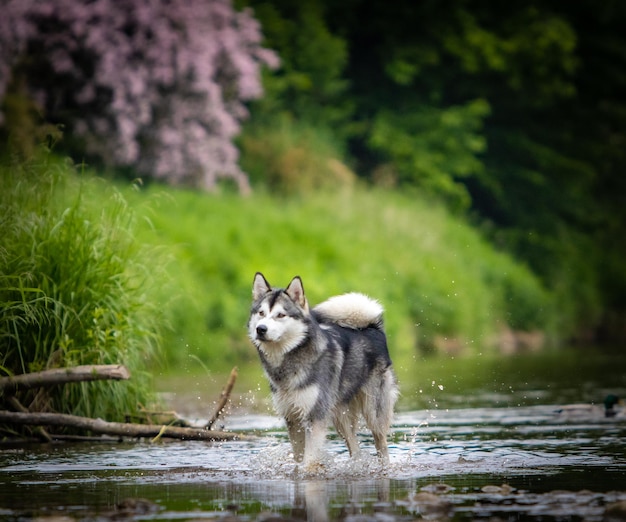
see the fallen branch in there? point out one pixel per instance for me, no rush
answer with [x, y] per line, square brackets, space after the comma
[41, 433]
[116, 428]
[27, 381]
[223, 398]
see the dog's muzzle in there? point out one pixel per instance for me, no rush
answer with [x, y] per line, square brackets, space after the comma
[261, 331]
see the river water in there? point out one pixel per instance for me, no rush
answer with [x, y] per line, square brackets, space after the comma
[486, 449]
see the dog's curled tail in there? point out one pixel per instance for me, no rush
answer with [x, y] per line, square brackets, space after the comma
[351, 310]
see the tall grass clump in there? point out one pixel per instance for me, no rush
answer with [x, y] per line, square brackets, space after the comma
[74, 287]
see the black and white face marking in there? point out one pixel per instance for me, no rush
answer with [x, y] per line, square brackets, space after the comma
[277, 324]
[276, 330]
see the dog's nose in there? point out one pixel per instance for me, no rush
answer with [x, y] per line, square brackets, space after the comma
[261, 330]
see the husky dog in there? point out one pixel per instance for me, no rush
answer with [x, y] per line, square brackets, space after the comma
[326, 363]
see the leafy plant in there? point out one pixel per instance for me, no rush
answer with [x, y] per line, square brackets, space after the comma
[156, 86]
[291, 157]
[74, 287]
[434, 148]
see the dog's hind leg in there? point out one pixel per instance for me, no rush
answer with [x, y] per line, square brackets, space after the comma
[378, 410]
[345, 420]
[380, 441]
[378, 422]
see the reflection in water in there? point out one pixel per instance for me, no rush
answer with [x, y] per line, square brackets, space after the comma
[315, 499]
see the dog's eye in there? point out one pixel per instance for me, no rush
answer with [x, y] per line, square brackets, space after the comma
[280, 315]
[261, 313]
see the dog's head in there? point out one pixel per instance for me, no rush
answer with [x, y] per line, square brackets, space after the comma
[279, 317]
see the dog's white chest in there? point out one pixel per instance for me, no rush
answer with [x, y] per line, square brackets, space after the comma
[299, 401]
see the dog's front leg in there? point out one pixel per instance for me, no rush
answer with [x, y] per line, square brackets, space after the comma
[315, 434]
[296, 432]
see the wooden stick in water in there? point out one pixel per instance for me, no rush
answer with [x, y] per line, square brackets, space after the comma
[115, 428]
[224, 396]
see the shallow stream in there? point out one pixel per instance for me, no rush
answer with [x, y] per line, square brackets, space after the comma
[470, 456]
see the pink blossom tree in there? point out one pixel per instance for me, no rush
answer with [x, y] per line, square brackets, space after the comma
[157, 85]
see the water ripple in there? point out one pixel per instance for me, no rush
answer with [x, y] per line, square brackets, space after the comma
[468, 448]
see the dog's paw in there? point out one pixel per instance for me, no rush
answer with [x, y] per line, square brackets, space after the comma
[313, 467]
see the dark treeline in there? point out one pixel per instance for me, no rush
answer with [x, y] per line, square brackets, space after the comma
[513, 113]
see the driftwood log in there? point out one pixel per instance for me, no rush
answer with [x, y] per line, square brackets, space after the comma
[9, 386]
[28, 381]
[116, 428]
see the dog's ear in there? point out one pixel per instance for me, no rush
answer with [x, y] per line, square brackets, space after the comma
[295, 290]
[260, 287]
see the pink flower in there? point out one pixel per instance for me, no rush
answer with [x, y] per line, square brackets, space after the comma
[158, 85]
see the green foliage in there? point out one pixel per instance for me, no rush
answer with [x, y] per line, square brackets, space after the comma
[572, 273]
[514, 113]
[74, 287]
[309, 85]
[432, 148]
[432, 272]
[531, 49]
[291, 157]
[23, 129]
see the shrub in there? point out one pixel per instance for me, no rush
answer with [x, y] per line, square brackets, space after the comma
[74, 288]
[158, 85]
[294, 158]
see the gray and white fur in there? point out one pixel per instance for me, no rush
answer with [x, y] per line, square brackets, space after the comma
[329, 363]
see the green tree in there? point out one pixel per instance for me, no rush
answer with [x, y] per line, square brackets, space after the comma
[512, 111]
[310, 85]
[542, 165]
[433, 147]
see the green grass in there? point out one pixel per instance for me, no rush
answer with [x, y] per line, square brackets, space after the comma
[83, 281]
[434, 274]
[74, 287]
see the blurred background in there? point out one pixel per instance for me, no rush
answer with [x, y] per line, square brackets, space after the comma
[460, 161]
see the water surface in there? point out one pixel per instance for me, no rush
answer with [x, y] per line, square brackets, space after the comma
[496, 451]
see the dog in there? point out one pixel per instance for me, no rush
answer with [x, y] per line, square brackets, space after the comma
[328, 363]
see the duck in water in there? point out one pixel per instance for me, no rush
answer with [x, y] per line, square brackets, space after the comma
[575, 410]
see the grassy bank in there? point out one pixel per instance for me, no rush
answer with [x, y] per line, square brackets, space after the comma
[74, 288]
[442, 285]
[88, 257]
